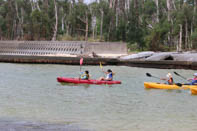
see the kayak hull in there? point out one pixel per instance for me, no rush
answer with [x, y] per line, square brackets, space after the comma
[193, 90]
[79, 81]
[153, 85]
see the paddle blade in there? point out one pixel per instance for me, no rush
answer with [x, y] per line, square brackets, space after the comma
[101, 65]
[81, 61]
[178, 84]
[148, 74]
[176, 73]
[180, 75]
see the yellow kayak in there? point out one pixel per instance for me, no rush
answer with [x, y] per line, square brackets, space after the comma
[153, 85]
[193, 90]
[149, 85]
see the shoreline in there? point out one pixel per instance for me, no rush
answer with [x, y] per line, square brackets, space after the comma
[160, 64]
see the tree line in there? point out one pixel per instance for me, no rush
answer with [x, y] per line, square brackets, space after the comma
[158, 25]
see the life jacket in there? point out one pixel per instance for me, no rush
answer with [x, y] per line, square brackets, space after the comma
[194, 81]
[195, 78]
[109, 76]
[170, 81]
[85, 76]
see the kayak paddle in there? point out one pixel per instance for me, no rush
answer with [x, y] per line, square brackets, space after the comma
[149, 75]
[180, 75]
[178, 84]
[80, 62]
[102, 68]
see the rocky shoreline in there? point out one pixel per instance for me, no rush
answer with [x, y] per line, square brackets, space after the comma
[160, 56]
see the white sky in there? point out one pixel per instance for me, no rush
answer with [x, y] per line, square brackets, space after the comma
[88, 1]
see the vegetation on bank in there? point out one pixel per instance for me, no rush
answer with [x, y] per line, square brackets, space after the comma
[145, 24]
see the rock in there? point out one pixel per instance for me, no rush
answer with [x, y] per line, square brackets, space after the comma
[140, 55]
[161, 56]
[186, 57]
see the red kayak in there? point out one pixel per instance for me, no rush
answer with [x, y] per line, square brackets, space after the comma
[79, 81]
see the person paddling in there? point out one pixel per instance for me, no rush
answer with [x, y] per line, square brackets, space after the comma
[109, 75]
[169, 79]
[193, 80]
[85, 75]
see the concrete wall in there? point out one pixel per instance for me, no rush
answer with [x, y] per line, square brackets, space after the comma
[59, 48]
[106, 48]
[95, 61]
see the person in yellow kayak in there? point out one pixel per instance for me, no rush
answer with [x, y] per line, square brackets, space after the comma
[85, 75]
[169, 79]
[193, 80]
[109, 75]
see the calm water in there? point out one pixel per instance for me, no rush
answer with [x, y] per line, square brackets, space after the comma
[30, 95]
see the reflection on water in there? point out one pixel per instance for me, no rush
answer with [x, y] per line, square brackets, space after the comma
[7, 125]
[30, 93]
[75, 85]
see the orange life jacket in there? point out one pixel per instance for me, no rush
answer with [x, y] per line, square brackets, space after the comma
[170, 81]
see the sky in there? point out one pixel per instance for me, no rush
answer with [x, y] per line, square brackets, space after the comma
[88, 1]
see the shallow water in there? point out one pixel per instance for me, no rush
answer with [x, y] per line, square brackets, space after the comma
[30, 94]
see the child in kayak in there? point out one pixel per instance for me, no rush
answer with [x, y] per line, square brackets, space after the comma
[109, 75]
[193, 80]
[169, 79]
[85, 75]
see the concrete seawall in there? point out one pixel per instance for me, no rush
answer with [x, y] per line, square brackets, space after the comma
[95, 61]
[46, 48]
[56, 60]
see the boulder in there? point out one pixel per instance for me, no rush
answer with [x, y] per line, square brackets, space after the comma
[186, 57]
[161, 56]
[140, 55]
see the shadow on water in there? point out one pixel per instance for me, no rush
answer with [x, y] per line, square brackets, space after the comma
[177, 91]
[83, 85]
[6, 125]
[166, 90]
[75, 85]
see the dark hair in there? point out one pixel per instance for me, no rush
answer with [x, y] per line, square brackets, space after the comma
[87, 72]
[109, 70]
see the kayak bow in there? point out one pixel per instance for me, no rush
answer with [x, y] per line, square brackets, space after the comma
[193, 90]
